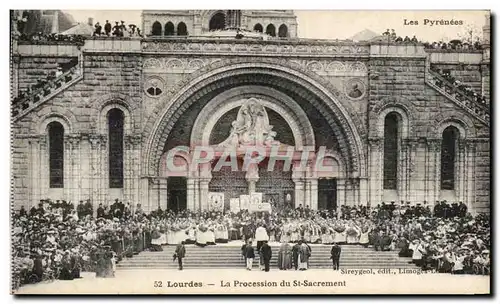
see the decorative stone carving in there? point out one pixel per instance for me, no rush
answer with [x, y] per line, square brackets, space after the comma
[355, 89]
[152, 63]
[252, 46]
[251, 127]
[174, 64]
[154, 86]
[434, 144]
[95, 140]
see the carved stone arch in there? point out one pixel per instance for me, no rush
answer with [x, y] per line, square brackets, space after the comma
[118, 100]
[402, 107]
[41, 127]
[273, 99]
[206, 79]
[338, 158]
[466, 128]
[102, 123]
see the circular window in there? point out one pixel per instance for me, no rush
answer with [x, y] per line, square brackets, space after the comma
[154, 87]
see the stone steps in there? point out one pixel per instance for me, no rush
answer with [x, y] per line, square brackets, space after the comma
[353, 257]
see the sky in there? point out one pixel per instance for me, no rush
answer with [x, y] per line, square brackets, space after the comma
[329, 24]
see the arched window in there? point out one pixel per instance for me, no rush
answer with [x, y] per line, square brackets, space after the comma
[169, 29]
[115, 151]
[56, 154]
[283, 31]
[217, 22]
[182, 29]
[448, 155]
[391, 139]
[156, 31]
[258, 28]
[271, 30]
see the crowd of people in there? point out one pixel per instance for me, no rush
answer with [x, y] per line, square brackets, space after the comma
[42, 38]
[454, 45]
[465, 88]
[58, 239]
[43, 87]
[392, 36]
[120, 29]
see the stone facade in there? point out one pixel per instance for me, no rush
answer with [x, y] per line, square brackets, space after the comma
[308, 83]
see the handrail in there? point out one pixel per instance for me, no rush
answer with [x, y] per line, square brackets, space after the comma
[46, 90]
[481, 111]
[451, 88]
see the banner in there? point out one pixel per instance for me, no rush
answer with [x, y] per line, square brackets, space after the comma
[234, 205]
[256, 198]
[244, 202]
[216, 201]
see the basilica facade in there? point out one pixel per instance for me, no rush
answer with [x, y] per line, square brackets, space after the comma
[389, 127]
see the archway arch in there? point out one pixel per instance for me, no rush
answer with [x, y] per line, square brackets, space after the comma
[217, 22]
[182, 29]
[283, 31]
[169, 29]
[156, 30]
[221, 74]
[271, 30]
[258, 28]
[272, 99]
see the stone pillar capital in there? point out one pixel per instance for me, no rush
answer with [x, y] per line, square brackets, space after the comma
[434, 144]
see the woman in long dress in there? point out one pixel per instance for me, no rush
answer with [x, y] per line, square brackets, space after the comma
[285, 256]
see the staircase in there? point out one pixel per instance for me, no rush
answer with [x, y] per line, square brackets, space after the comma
[45, 93]
[229, 256]
[457, 96]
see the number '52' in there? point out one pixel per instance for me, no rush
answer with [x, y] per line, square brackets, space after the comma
[158, 283]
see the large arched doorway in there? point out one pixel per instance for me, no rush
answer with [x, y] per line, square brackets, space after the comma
[323, 118]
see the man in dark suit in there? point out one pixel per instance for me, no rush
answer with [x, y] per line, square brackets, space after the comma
[335, 252]
[100, 211]
[107, 28]
[295, 255]
[266, 252]
[180, 253]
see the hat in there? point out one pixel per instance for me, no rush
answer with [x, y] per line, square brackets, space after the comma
[485, 251]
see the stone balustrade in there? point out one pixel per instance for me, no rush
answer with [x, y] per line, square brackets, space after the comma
[47, 91]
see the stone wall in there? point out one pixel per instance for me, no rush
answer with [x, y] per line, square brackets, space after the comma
[394, 83]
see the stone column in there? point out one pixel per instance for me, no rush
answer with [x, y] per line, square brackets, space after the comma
[402, 169]
[34, 171]
[68, 169]
[298, 179]
[95, 172]
[44, 167]
[144, 198]
[461, 172]
[434, 173]
[163, 193]
[75, 171]
[471, 173]
[252, 176]
[127, 168]
[103, 168]
[410, 192]
[341, 200]
[204, 193]
[375, 155]
[192, 201]
[314, 193]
